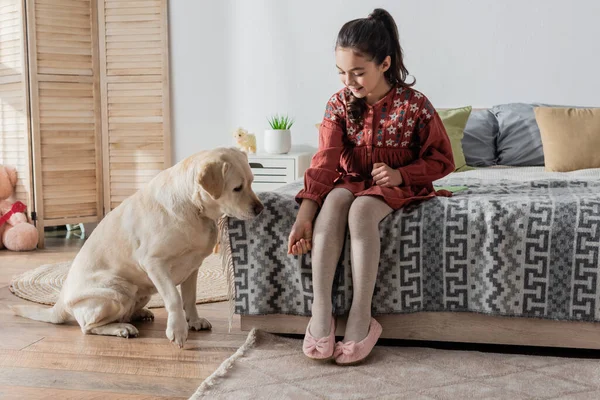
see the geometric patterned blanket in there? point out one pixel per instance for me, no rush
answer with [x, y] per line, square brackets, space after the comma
[517, 242]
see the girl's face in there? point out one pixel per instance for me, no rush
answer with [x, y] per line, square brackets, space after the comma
[362, 76]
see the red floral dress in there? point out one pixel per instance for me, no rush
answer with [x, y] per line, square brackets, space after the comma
[402, 130]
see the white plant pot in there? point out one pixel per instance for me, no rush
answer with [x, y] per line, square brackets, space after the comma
[278, 141]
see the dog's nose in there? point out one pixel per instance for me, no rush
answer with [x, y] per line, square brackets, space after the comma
[258, 208]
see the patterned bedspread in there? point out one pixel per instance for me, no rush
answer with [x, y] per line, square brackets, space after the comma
[518, 242]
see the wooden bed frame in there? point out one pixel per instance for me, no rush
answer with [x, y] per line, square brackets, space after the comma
[462, 327]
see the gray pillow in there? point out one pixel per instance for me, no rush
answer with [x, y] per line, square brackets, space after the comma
[479, 140]
[519, 142]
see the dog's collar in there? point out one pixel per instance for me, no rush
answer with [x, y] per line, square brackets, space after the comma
[18, 207]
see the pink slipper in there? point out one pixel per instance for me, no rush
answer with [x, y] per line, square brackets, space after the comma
[319, 349]
[350, 353]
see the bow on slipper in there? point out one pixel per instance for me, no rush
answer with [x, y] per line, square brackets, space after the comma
[321, 345]
[344, 348]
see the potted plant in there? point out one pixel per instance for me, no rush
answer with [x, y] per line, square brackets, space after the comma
[278, 139]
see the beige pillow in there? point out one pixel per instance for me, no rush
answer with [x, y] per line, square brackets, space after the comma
[570, 137]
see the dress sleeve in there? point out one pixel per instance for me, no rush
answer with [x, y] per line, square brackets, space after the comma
[320, 177]
[435, 158]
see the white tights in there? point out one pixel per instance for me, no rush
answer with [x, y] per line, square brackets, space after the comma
[362, 216]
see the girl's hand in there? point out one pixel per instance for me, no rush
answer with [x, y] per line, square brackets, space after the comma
[300, 240]
[385, 176]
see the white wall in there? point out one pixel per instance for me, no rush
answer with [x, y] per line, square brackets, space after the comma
[233, 63]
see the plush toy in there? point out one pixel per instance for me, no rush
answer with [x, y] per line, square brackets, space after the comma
[16, 233]
[245, 141]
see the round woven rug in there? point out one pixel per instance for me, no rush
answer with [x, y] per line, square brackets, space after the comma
[42, 285]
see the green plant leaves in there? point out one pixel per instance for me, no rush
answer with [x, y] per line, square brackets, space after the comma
[278, 122]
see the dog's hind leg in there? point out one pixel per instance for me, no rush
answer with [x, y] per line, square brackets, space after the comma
[140, 313]
[99, 316]
[120, 329]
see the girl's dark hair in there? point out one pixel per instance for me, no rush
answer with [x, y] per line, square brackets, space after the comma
[376, 37]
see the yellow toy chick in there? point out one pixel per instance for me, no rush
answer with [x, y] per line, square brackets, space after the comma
[245, 141]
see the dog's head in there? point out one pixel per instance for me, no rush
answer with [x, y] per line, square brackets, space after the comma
[224, 181]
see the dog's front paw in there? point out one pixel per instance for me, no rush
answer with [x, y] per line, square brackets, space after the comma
[177, 330]
[199, 324]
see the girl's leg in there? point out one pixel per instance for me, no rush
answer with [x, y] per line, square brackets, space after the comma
[365, 214]
[328, 239]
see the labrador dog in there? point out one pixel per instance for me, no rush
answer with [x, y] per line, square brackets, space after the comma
[152, 242]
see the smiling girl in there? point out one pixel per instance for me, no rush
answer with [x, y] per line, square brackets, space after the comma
[381, 145]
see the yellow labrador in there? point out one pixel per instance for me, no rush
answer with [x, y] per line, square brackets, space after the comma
[154, 241]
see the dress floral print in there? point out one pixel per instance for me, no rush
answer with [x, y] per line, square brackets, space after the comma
[402, 130]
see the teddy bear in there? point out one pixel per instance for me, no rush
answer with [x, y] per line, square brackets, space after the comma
[16, 233]
[245, 141]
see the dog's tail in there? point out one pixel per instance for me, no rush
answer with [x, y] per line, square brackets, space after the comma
[55, 315]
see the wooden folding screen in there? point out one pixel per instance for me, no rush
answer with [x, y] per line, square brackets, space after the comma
[65, 105]
[135, 95]
[84, 102]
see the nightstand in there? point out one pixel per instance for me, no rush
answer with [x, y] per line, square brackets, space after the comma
[275, 170]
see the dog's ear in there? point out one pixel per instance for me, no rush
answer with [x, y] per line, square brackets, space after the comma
[212, 178]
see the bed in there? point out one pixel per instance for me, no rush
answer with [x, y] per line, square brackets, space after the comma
[512, 258]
